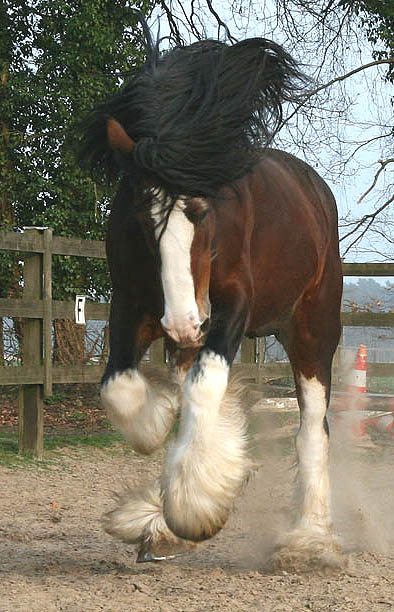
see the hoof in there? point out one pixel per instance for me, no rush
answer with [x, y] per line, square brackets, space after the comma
[138, 519]
[163, 551]
[303, 551]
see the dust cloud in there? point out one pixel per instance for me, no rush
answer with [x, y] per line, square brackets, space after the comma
[362, 485]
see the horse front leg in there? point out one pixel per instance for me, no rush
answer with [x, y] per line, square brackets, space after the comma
[143, 408]
[207, 465]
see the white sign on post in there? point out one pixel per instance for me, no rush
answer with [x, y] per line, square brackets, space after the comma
[80, 309]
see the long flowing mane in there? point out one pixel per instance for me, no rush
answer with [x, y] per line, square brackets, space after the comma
[198, 115]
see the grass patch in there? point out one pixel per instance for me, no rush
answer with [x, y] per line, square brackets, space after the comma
[95, 440]
[56, 398]
[10, 456]
[380, 384]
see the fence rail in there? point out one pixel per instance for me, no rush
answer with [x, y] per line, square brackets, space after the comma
[38, 372]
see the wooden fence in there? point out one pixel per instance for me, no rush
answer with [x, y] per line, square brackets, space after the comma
[38, 373]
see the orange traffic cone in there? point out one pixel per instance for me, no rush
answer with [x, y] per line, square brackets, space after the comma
[357, 387]
[385, 423]
[358, 377]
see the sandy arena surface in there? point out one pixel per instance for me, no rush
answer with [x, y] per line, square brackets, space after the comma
[55, 557]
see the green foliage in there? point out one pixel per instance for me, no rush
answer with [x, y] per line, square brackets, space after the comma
[58, 59]
[377, 19]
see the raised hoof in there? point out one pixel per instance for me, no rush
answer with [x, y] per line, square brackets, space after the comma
[163, 552]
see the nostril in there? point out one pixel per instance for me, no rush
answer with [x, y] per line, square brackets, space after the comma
[205, 325]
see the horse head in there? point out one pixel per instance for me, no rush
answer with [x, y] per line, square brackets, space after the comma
[183, 236]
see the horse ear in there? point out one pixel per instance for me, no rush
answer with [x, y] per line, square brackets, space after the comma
[117, 138]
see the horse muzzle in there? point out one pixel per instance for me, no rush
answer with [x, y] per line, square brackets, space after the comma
[186, 332]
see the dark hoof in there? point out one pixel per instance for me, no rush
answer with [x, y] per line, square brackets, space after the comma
[164, 551]
[147, 557]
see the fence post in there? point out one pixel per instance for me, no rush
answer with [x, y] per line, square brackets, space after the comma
[260, 360]
[31, 426]
[248, 352]
[47, 320]
[156, 352]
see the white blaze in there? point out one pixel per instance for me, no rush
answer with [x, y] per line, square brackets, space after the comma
[181, 317]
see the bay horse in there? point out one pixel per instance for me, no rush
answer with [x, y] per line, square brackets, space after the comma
[212, 236]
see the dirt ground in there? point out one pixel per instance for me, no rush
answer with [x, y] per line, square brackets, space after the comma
[54, 556]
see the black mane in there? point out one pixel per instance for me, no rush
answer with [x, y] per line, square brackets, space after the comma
[198, 115]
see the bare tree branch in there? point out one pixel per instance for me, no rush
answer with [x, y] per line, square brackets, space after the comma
[383, 164]
[221, 23]
[368, 219]
[331, 82]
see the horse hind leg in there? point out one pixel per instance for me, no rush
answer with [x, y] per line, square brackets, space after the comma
[142, 408]
[312, 544]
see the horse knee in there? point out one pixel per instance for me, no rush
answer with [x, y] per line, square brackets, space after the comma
[144, 413]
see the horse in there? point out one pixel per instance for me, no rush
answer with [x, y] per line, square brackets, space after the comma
[213, 235]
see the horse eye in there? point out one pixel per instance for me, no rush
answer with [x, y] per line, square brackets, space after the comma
[196, 216]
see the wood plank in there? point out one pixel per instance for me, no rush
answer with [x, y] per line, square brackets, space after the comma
[26, 242]
[368, 269]
[78, 374]
[248, 350]
[26, 308]
[93, 311]
[380, 369]
[274, 370]
[28, 375]
[78, 247]
[21, 375]
[368, 319]
[156, 352]
[34, 309]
